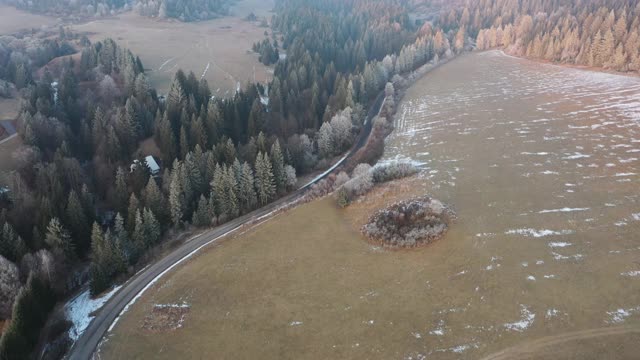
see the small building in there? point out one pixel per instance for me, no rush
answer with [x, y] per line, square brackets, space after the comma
[153, 166]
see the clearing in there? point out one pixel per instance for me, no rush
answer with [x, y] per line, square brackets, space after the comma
[292, 288]
[13, 20]
[218, 50]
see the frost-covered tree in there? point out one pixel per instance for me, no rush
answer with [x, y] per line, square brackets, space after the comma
[9, 286]
[59, 239]
[265, 183]
[325, 140]
[176, 196]
[290, 177]
[277, 163]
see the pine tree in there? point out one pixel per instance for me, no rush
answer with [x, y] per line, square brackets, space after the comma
[217, 190]
[77, 220]
[125, 250]
[134, 205]
[265, 184]
[201, 215]
[139, 236]
[121, 190]
[98, 270]
[155, 200]
[12, 246]
[231, 205]
[247, 188]
[59, 240]
[152, 229]
[325, 140]
[176, 196]
[277, 163]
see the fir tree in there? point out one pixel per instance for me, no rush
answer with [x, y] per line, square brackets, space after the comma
[265, 184]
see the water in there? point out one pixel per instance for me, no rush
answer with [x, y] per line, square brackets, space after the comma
[542, 165]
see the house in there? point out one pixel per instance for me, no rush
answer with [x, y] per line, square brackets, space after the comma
[153, 166]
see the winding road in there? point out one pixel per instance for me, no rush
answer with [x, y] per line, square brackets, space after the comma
[85, 346]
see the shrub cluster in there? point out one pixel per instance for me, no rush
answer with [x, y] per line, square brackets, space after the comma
[409, 223]
[392, 171]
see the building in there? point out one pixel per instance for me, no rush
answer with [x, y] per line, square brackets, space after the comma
[153, 166]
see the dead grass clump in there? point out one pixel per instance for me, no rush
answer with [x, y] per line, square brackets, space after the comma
[166, 317]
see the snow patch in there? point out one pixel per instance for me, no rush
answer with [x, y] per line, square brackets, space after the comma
[80, 308]
[620, 315]
[559, 244]
[538, 233]
[526, 319]
[565, 209]
[631, 273]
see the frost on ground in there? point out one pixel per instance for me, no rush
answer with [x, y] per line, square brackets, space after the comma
[565, 209]
[538, 233]
[526, 320]
[165, 317]
[559, 244]
[620, 315]
[80, 309]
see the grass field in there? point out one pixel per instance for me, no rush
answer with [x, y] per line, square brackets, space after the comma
[216, 49]
[306, 285]
[13, 20]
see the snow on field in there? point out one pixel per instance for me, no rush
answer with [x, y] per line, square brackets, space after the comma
[526, 319]
[566, 209]
[80, 308]
[620, 315]
[538, 233]
[559, 244]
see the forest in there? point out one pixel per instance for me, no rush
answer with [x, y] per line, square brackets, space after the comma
[82, 200]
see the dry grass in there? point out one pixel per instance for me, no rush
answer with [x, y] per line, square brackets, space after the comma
[306, 285]
[382, 196]
[9, 108]
[13, 20]
[164, 46]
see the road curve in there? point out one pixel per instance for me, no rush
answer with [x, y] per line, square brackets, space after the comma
[85, 346]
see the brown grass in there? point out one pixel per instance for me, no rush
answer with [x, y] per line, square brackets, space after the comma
[164, 46]
[13, 20]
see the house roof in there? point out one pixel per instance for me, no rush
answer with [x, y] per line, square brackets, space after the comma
[151, 163]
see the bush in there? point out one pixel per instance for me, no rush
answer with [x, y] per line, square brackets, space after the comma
[409, 223]
[392, 171]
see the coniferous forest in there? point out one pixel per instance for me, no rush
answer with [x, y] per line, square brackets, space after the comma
[83, 200]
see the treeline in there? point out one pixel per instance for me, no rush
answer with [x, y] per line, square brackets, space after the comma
[598, 33]
[183, 10]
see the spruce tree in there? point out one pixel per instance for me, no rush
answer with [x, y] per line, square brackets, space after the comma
[277, 163]
[59, 240]
[265, 184]
[176, 198]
